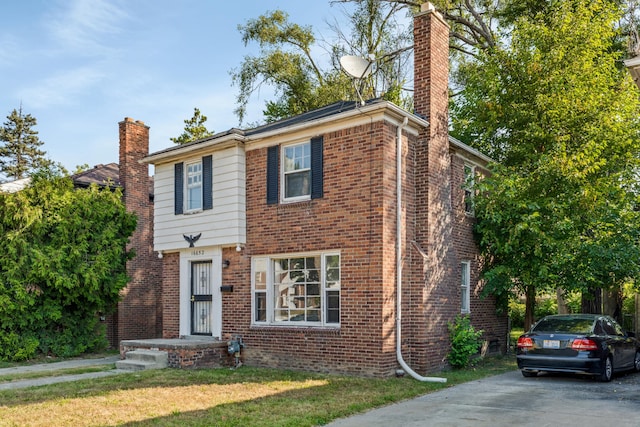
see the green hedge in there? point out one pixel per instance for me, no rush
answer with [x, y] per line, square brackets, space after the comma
[64, 261]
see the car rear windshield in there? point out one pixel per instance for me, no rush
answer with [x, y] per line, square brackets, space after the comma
[568, 325]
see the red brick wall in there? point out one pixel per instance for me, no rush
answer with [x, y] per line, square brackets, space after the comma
[209, 355]
[171, 295]
[483, 309]
[435, 295]
[442, 233]
[139, 310]
[357, 216]
[236, 310]
[349, 218]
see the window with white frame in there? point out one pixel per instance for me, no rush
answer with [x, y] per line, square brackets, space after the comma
[469, 182]
[297, 290]
[296, 171]
[194, 186]
[465, 268]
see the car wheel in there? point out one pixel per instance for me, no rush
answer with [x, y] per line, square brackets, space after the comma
[607, 370]
[636, 362]
[529, 374]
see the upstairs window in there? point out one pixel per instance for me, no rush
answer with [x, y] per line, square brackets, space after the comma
[295, 172]
[194, 186]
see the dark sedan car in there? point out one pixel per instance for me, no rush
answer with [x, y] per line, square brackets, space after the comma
[591, 344]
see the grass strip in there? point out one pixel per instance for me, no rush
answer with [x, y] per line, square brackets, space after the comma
[219, 397]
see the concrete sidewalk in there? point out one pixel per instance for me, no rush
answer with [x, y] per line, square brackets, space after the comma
[509, 399]
[56, 366]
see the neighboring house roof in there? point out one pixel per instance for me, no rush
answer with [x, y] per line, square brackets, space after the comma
[101, 175]
[14, 186]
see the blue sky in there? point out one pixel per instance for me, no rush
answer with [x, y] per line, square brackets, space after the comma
[81, 66]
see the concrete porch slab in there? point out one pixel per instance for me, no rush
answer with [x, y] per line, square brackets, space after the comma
[184, 353]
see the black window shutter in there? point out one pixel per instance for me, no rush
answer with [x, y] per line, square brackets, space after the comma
[272, 174]
[317, 168]
[178, 180]
[207, 182]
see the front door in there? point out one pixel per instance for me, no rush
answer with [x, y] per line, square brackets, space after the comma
[201, 297]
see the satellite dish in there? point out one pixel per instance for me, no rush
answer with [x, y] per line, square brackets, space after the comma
[356, 66]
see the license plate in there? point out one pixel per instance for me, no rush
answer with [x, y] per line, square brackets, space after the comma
[551, 344]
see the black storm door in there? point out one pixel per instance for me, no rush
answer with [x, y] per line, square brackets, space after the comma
[201, 300]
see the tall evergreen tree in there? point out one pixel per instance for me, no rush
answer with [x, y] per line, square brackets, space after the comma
[194, 129]
[20, 154]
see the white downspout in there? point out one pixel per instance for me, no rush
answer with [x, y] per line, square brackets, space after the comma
[403, 364]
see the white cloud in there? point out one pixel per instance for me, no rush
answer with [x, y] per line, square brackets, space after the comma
[10, 51]
[80, 57]
[62, 88]
[81, 25]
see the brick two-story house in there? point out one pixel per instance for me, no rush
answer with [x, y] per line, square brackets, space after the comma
[339, 240]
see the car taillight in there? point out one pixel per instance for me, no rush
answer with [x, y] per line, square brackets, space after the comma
[584, 344]
[525, 342]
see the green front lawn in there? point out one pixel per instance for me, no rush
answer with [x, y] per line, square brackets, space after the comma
[219, 397]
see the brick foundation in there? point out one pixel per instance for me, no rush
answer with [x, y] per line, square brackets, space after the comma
[185, 354]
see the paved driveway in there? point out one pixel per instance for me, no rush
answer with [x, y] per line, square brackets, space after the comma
[512, 400]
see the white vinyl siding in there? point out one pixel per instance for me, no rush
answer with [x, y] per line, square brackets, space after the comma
[225, 224]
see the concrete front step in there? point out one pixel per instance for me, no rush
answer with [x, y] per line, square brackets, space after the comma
[184, 353]
[138, 360]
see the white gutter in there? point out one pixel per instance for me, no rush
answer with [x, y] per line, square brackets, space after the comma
[403, 364]
[236, 136]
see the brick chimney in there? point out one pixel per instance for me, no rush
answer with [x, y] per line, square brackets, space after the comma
[138, 311]
[435, 288]
[431, 68]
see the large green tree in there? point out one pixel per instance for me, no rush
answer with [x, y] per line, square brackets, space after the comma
[382, 28]
[194, 129]
[559, 115]
[20, 152]
[301, 81]
[473, 23]
[63, 262]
